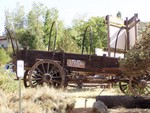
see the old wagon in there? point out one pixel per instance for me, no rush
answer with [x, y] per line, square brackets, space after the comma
[60, 69]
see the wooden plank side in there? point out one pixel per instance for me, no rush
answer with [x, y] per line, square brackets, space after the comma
[31, 56]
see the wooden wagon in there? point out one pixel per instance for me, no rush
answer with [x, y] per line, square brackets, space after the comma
[60, 69]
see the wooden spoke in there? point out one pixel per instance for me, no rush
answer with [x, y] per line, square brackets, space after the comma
[35, 79]
[52, 70]
[123, 85]
[48, 68]
[26, 79]
[37, 75]
[39, 70]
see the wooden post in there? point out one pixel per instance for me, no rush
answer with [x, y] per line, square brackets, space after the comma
[128, 38]
[108, 41]
[108, 32]
[136, 27]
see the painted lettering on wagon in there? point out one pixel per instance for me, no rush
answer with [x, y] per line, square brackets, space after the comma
[75, 63]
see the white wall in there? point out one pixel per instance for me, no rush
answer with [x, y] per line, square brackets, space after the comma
[4, 43]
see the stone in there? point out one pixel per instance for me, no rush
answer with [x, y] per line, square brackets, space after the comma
[100, 107]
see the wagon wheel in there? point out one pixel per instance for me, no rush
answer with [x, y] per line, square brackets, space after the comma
[124, 87]
[141, 85]
[123, 84]
[26, 79]
[47, 71]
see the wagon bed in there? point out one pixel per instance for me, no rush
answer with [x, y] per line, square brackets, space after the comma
[71, 61]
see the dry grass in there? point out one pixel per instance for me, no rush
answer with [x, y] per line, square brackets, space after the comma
[50, 100]
[40, 100]
[92, 92]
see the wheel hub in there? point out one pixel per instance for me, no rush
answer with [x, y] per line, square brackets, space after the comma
[47, 77]
[142, 84]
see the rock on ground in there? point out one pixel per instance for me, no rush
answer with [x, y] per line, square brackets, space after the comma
[100, 107]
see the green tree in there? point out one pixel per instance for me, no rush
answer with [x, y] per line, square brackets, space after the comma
[19, 17]
[35, 20]
[99, 38]
[15, 22]
[28, 39]
[8, 19]
[67, 42]
[33, 29]
[15, 19]
[50, 17]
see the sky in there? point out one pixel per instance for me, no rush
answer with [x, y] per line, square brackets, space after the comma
[71, 9]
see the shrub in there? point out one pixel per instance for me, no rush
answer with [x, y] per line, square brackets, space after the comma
[137, 61]
[4, 57]
[7, 81]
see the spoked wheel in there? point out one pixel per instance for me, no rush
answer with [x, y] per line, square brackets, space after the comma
[47, 71]
[124, 87]
[141, 85]
[26, 79]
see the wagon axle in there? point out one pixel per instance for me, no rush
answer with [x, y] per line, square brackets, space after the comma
[142, 83]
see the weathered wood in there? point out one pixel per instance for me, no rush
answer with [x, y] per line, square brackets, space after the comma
[125, 101]
[82, 110]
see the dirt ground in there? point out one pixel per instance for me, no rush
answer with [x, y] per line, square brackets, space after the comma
[84, 102]
[82, 110]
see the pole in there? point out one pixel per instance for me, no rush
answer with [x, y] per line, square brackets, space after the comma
[20, 95]
[20, 74]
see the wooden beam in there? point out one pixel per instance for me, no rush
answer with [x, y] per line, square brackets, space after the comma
[108, 32]
[127, 30]
[125, 101]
